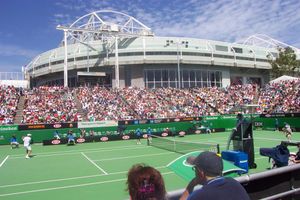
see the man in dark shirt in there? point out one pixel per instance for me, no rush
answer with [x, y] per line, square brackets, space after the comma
[208, 167]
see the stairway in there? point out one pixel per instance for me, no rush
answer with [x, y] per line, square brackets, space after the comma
[19, 114]
[79, 107]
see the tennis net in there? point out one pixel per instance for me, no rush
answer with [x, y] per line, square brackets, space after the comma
[182, 147]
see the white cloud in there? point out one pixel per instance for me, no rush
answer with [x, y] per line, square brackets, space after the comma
[13, 50]
[225, 20]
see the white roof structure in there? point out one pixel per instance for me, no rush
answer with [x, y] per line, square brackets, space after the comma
[267, 42]
[103, 25]
[283, 78]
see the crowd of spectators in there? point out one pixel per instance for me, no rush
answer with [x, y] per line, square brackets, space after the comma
[101, 103]
[57, 104]
[9, 98]
[280, 97]
[49, 105]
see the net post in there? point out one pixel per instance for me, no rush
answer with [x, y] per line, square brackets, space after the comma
[218, 148]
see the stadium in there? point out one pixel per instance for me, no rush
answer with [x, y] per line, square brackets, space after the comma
[92, 103]
[114, 49]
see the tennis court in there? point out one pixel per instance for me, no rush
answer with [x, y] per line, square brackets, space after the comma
[98, 170]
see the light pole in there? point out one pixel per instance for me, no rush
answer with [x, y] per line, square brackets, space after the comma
[178, 66]
[177, 43]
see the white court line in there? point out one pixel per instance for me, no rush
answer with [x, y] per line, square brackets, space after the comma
[262, 138]
[4, 160]
[120, 158]
[67, 179]
[94, 163]
[79, 151]
[69, 186]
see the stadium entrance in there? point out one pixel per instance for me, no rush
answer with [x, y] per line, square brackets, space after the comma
[94, 78]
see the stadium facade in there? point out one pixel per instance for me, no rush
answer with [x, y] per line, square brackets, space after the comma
[113, 49]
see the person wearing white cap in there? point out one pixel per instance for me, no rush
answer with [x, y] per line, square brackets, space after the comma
[208, 167]
[27, 145]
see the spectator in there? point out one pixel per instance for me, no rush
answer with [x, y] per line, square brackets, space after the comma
[145, 183]
[208, 168]
[9, 98]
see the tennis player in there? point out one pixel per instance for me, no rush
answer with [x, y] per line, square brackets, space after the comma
[149, 135]
[27, 145]
[138, 134]
[287, 131]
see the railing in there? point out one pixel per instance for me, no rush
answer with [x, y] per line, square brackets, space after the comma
[280, 183]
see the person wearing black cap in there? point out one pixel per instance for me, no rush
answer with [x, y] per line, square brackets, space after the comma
[208, 167]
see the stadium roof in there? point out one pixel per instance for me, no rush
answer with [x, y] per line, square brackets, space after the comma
[267, 42]
[102, 24]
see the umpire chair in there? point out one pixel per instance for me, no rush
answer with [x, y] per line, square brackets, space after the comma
[242, 140]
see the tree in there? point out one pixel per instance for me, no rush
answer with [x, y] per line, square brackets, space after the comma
[285, 64]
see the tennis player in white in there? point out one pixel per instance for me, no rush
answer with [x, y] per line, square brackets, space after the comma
[27, 145]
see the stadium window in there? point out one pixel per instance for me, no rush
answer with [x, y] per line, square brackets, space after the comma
[237, 50]
[165, 84]
[198, 75]
[157, 76]
[94, 56]
[244, 58]
[150, 75]
[173, 84]
[212, 79]
[164, 75]
[192, 84]
[186, 84]
[218, 76]
[151, 85]
[198, 84]
[172, 75]
[221, 48]
[192, 75]
[223, 56]
[185, 75]
[204, 76]
[261, 60]
[158, 84]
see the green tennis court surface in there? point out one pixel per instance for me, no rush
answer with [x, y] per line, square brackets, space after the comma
[98, 170]
[183, 169]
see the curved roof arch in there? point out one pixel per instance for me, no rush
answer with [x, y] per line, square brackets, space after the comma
[266, 41]
[102, 24]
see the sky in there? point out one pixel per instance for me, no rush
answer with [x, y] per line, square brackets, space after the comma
[28, 27]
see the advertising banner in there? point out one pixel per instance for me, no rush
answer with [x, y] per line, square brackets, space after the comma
[47, 126]
[8, 128]
[97, 124]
